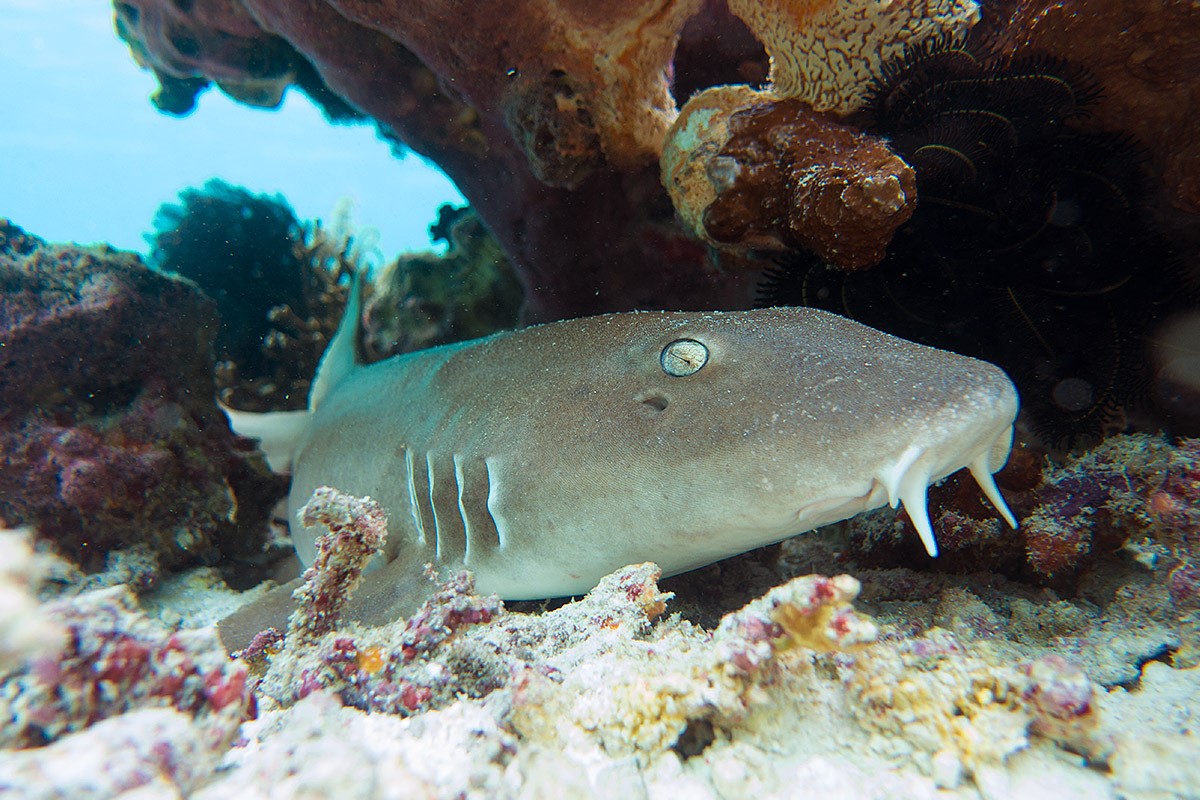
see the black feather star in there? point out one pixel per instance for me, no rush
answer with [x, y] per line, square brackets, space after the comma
[1030, 246]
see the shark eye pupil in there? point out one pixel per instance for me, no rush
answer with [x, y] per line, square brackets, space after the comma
[683, 357]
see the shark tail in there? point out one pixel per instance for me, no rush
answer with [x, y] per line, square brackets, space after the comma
[280, 433]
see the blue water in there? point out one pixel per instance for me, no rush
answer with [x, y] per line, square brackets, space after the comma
[87, 158]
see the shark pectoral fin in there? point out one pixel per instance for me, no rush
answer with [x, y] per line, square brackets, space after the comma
[278, 433]
[272, 610]
[394, 591]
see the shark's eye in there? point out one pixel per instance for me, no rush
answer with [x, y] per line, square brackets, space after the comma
[683, 357]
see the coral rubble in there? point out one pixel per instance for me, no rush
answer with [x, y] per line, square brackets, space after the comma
[604, 696]
[114, 660]
[109, 431]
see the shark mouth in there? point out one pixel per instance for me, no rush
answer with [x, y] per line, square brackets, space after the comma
[906, 479]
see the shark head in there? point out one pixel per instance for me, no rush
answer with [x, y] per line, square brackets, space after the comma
[544, 459]
[683, 438]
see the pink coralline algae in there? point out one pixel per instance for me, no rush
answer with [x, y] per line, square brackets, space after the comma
[116, 660]
[811, 612]
[109, 432]
[401, 672]
[357, 529]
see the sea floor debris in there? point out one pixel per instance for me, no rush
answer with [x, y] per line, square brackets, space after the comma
[609, 695]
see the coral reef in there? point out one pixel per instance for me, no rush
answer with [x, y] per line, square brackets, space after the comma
[273, 278]
[423, 300]
[1109, 535]
[1132, 496]
[1023, 217]
[550, 118]
[1057, 660]
[610, 695]
[108, 429]
[553, 135]
[557, 123]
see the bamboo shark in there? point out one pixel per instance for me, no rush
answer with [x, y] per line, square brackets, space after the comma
[545, 458]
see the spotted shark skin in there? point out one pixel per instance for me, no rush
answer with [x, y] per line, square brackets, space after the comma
[545, 458]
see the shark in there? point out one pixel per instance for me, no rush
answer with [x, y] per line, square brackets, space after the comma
[543, 459]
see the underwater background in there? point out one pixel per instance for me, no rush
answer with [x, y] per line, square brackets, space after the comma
[190, 186]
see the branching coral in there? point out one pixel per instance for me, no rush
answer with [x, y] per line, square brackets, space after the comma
[357, 529]
[275, 281]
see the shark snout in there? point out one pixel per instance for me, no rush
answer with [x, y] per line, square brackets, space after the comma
[973, 431]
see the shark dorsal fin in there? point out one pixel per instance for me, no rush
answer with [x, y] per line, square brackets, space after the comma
[341, 356]
[280, 433]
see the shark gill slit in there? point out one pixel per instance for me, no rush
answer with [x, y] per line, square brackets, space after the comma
[443, 496]
[422, 507]
[490, 503]
[413, 508]
[483, 534]
[460, 483]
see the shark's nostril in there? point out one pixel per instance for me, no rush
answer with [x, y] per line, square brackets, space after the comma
[654, 401]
